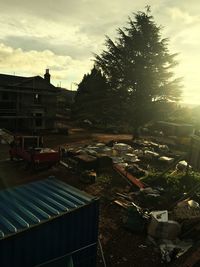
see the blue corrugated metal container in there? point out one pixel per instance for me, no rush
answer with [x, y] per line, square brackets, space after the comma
[48, 223]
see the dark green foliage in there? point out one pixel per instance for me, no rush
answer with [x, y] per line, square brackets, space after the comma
[195, 117]
[94, 100]
[91, 96]
[138, 67]
[182, 115]
[175, 184]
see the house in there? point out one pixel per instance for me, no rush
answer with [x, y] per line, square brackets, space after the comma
[27, 103]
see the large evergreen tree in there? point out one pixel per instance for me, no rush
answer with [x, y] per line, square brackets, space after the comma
[138, 67]
[93, 99]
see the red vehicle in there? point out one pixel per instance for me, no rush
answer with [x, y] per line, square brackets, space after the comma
[31, 150]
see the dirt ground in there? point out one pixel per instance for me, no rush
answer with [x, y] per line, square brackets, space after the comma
[121, 247]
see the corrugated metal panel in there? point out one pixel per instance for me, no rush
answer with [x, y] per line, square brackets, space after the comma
[44, 220]
[82, 257]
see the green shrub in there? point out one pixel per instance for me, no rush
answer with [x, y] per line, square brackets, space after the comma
[175, 184]
[104, 179]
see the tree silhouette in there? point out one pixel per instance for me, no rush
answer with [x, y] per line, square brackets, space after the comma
[138, 67]
[93, 99]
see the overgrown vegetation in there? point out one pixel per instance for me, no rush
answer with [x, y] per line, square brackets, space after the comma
[175, 184]
[104, 179]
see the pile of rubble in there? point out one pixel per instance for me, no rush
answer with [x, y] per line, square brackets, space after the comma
[128, 157]
[168, 230]
[164, 229]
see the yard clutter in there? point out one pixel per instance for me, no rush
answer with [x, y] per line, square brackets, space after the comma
[135, 219]
[88, 177]
[165, 159]
[121, 147]
[150, 154]
[182, 165]
[187, 209]
[150, 192]
[129, 157]
[147, 201]
[104, 163]
[101, 157]
[105, 155]
[6, 137]
[174, 230]
[86, 162]
[151, 173]
[136, 171]
[162, 232]
[160, 227]
[128, 176]
[130, 160]
[165, 234]
[126, 155]
[172, 250]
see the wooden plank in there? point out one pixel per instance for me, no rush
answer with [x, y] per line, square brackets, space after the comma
[129, 176]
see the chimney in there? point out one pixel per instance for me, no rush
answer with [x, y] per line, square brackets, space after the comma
[47, 76]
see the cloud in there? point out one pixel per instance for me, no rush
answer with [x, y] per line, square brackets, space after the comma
[177, 14]
[63, 34]
[64, 47]
[63, 68]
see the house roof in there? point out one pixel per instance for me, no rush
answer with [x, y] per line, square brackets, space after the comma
[6, 79]
[34, 82]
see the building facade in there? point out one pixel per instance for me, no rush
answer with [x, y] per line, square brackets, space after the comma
[27, 103]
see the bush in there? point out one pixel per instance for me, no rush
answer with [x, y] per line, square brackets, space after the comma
[104, 179]
[175, 184]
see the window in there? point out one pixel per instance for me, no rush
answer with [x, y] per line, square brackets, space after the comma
[37, 99]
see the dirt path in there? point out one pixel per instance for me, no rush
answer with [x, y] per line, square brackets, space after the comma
[82, 136]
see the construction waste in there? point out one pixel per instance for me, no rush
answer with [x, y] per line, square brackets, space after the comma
[162, 231]
[166, 229]
[130, 157]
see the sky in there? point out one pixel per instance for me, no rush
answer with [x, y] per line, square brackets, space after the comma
[63, 36]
